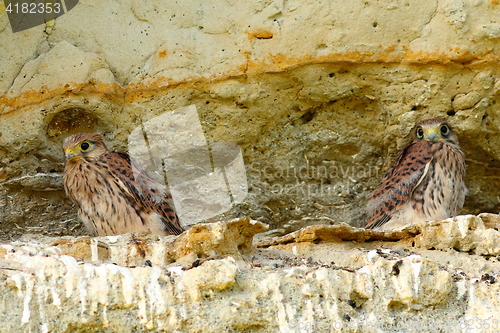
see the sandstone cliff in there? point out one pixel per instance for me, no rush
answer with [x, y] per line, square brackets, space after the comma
[319, 95]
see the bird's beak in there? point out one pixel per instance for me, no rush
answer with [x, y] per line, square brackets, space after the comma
[70, 153]
[431, 135]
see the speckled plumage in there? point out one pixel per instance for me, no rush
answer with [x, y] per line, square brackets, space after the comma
[425, 182]
[113, 193]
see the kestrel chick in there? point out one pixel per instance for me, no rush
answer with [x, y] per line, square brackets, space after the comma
[113, 193]
[425, 182]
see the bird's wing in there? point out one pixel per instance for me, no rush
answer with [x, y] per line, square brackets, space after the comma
[143, 190]
[407, 172]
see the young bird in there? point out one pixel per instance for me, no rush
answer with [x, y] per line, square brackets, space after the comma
[113, 193]
[425, 182]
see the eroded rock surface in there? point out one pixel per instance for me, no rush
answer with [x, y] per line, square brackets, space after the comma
[318, 279]
[320, 96]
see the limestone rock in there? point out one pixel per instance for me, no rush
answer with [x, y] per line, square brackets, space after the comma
[358, 284]
[320, 96]
[199, 243]
[319, 102]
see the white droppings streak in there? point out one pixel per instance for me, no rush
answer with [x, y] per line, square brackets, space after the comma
[41, 291]
[472, 305]
[112, 239]
[105, 322]
[463, 226]
[416, 264]
[128, 285]
[291, 312]
[308, 314]
[27, 299]
[372, 254]
[69, 277]
[177, 270]
[321, 274]
[17, 279]
[94, 249]
[54, 250]
[103, 290]
[143, 313]
[82, 288]
[363, 281]
[460, 288]
[56, 299]
[365, 270]
[271, 286]
[472, 298]
[156, 301]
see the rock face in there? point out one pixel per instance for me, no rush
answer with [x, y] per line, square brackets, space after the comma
[321, 278]
[319, 96]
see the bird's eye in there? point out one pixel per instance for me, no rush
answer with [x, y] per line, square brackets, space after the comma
[84, 146]
[445, 130]
[420, 132]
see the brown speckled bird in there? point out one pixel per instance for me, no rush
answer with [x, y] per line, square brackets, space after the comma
[113, 193]
[425, 182]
